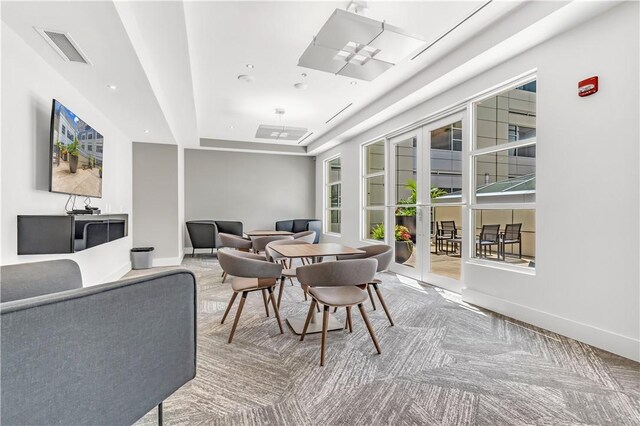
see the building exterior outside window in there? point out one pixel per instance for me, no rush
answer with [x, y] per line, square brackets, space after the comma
[373, 184]
[503, 161]
[333, 195]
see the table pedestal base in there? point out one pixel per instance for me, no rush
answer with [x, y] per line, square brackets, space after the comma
[315, 326]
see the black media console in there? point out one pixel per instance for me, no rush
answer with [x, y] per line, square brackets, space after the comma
[68, 233]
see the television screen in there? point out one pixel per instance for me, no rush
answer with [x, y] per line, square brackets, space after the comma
[76, 154]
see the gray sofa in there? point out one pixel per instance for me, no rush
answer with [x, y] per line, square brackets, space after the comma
[106, 354]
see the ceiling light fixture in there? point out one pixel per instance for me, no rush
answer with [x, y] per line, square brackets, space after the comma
[231, 127]
[249, 65]
[146, 131]
[301, 86]
[246, 78]
[304, 74]
[353, 83]
[358, 47]
[112, 86]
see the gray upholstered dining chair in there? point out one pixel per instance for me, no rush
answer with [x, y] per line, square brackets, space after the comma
[338, 284]
[235, 242]
[251, 272]
[383, 254]
[259, 243]
[306, 236]
[288, 271]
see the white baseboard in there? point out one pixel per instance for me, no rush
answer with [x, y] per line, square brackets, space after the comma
[168, 261]
[119, 273]
[621, 345]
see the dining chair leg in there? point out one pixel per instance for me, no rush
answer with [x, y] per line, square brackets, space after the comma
[193, 252]
[384, 305]
[335, 309]
[235, 322]
[349, 319]
[233, 299]
[224, 276]
[318, 307]
[368, 324]
[264, 299]
[371, 297]
[308, 320]
[280, 291]
[325, 325]
[275, 308]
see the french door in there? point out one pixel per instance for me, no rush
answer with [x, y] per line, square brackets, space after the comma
[427, 209]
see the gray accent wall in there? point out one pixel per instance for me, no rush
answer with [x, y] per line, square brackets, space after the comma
[155, 200]
[256, 189]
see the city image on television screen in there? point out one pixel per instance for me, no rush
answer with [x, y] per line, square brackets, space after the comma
[76, 154]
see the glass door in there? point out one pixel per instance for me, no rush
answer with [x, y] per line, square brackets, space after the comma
[443, 185]
[403, 214]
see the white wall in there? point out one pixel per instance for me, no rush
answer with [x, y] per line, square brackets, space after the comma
[256, 189]
[156, 204]
[586, 284]
[28, 86]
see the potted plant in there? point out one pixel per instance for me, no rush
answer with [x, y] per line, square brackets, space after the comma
[100, 171]
[403, 242]
[92, 161]
[73, 155]
[63, 151]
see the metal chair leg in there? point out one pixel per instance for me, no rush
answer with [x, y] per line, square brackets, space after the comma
[349, 319]
[280, 291]
[160, 414]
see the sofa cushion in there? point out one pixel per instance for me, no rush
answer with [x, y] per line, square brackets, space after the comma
[300, 225]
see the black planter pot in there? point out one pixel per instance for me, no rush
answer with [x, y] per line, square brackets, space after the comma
[403, 251]
[410, 223]
[73, 163]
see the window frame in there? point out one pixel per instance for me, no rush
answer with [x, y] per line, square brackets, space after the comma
[475, 152]
[326, 193]
[364, 176]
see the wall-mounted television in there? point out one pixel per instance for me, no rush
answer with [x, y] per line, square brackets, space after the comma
[76, 154]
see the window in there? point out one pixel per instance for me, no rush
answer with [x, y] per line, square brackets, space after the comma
[64, 130]
[90, 136]
[333, 195]
[89, 147]
[504, 176]
[373, 188]
[99, 149]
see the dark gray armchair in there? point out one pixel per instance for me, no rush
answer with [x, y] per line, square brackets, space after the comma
[106, 354]
[301, 225]
[204, 233]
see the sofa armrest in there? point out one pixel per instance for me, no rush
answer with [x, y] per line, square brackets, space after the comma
[105, 354]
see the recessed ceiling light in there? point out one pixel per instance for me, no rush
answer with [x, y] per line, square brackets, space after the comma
[353, 83]
[246, 78]
[231, 127]
[112, 86]
[249, 65]
[146, 130]
[301, 86]
[304, 74]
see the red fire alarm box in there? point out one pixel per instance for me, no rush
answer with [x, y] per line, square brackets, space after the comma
[588, 87]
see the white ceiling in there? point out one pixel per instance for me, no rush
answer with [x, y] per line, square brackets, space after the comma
[226, 36]
[176, 63]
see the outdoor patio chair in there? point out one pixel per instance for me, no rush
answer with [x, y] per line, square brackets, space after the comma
[447, 231]
[489, 236]
[512, 236]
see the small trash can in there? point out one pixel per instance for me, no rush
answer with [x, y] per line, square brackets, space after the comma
[141, 257]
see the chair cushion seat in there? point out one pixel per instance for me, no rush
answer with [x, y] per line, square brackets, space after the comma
[291, 272]
[338, 296]
[249, 284]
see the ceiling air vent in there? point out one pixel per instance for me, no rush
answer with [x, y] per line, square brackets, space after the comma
[64, 45]
[282, 133]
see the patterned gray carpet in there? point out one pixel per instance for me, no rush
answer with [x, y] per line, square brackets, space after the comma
[444, 363]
